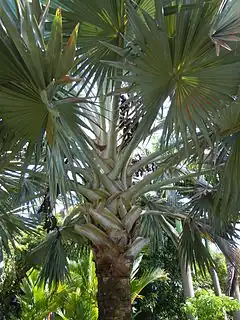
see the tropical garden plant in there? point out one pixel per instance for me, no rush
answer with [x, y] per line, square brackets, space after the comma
[162, 300]
[75, 299]
[206, 305]
[82, 85]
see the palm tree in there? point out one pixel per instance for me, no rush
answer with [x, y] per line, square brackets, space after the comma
[80, 93]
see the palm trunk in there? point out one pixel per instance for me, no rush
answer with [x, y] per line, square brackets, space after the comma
[186, 273]
[114, 290]
[187, 280]
[187, 283]
[215, 280]
[236, 314]
[233, 286]
[1, 261]
[217, 287]
[185, 270]
[216, 283]
[214, 275]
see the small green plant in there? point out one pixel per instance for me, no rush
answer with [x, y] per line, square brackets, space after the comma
[207, 306]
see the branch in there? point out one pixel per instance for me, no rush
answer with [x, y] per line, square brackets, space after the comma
[113, 133]
[81, 171]
[173, 159]
[174, 215]
[103, 125]
[151, 158]
[158, 185]
[92, 195]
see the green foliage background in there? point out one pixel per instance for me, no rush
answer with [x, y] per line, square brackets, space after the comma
[162, 300]
[207, 306]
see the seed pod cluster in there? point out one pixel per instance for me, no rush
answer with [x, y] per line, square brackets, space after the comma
[50, 221]
[149, 168]
[127, 122]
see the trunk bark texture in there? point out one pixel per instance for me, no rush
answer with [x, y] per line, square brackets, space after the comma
[114, 291]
